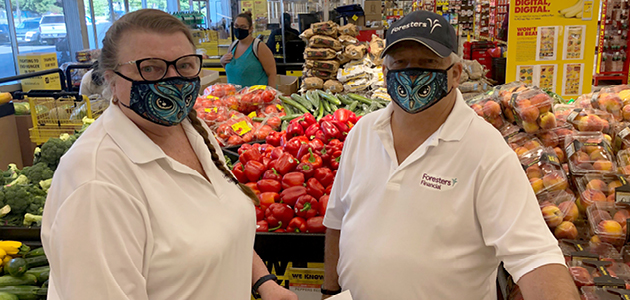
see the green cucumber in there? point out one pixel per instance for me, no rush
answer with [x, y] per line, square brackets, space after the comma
[359, 98]
[312, 99]
[7, 296]
[26, 279]
[290, 117]
[299, 99]
[45, 284]
[329, 97]
[16, 267]
[42, 292]
[288, 101]
[320, 111]
[326, 106]
[36, 261]
[353, 106]
[333, 107]
[315, 95]
[344, 99]
[41, 273]
[22, 292]
[35, 252]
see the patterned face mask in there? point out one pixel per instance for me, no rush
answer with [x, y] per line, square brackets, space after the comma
[415, 89]
[166, 102]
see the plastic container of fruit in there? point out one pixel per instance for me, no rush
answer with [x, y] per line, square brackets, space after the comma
[488, 107]
[608, 221]
[589, 119]
[588, 250]
[544, 170]
[623, 161]
[603, 293]
[559, 211]
[599, 273]
[588, 153]
[597, 188]
[505, 93]
[620, 135]
[522, 142]
[586, 100]
[533, 110]
[555, 137]
[608, 100]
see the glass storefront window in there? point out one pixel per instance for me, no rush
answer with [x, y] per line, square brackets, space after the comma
[7, 67]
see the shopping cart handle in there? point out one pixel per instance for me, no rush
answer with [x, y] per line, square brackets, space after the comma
[56, 94]
[62, 77]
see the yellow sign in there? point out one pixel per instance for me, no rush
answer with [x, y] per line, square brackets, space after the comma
[355, 18]
[241, 128]
[550, 44]
[34, 62]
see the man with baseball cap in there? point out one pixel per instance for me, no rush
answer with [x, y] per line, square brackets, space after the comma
[429, 199]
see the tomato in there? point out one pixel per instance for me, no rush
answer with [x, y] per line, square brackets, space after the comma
[274, 122]
[257, 125]
[224, 131]
[257, 99]
[268, 96]
[270, 109]
[233, 114]
[230, 89]
[235, 140]
[263, 132]
[231, 102]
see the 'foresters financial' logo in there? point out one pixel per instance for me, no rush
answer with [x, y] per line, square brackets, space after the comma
[433, 23]
[437, 182]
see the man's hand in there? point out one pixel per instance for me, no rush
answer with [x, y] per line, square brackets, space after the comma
[226, 59]
[549, 282]
[270, 290]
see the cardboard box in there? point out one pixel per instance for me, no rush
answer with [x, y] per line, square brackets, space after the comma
[208, 77]
[27, 147]
[357, 20]
[10, 146]
[372, 10]
[287, 85]
[33, 62]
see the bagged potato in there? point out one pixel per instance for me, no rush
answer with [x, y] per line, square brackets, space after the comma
[352, 72]
[464, 77]
[348, 40]
[306, 35]
[320, 74]
[349, 29]
[325, 28]
[319, 53]
[356, 85]
[323, 65]
[474, 69]
[471, 87]
[355, 52]
[377, 45]
[343, 58]
[320, 41]
[333, 86]
[313, 83]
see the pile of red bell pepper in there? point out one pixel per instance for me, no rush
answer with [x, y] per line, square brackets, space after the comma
[293, 173]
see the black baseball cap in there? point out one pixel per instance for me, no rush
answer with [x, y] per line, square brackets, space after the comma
[426, 28]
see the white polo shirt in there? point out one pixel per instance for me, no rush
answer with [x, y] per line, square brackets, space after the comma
[124, 221]
[437, 226]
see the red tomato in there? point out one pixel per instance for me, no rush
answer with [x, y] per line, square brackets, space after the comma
[270, 109]
[248, 137]
[274, 122]
[231, 102]
[263, 132]
[235, 140]
[268, 96]
[224, 131]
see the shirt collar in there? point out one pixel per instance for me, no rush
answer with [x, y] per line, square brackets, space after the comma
[453, 128]
[131, 140]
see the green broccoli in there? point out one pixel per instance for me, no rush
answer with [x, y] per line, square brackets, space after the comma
[20, 197]
[9, 175]
[36, 206]
[29, 219]
[37, 172]
[52, 151]
[45, 184]
[20, 180]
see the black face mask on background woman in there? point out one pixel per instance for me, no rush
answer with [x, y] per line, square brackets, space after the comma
[241, 33]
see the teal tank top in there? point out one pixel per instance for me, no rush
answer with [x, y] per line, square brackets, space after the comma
[246, 70]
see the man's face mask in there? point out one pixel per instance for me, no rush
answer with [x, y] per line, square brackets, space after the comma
[416, 89]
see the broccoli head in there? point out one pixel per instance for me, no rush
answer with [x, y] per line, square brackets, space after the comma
[37, 172]
[20, 180]
[52, 151]
[36, 206]
[20, 198]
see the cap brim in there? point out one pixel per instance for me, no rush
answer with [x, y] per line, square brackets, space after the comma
[437, 48]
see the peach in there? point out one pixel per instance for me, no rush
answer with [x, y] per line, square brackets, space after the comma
[570, 210]
[603, 165]
[580, 157]
[478, 109]
[553, 215]
[509, 115]
[523, 103]
[491, 109]
[597, 184]
[608, 138]
[542, 102]
[549, 139]
[585, 166]
[520, 151]
[613, 185]
[534, 172]
[531, 144]
[626, 170]
[537, 185]
[625, 111]
[560, 154]
[610, 198]
[530, 127]
[555, 181]
[591, 123]
[621, 216]
[529, 114]
[589, 196]
[592, 145]
[598, 154]
[566, 230]
[547, 120]
[497, 122]
[611, 232]
[595, 240]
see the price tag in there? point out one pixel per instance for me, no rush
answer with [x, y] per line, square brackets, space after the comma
[214, 110]
[252, 115]
[624, 132]
[241, 128]
[279, 107]
[257, 87]
[570, 150]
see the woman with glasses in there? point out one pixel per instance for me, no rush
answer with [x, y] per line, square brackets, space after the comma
[142, 207]
[248, 61]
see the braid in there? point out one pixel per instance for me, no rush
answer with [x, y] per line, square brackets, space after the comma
[196, 123]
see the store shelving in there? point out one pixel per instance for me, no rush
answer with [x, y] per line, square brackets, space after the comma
[613, 44]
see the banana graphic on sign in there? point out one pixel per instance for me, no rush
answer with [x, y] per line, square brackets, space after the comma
[575, 11]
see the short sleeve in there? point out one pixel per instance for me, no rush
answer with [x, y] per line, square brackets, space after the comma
[95, 243]
[511, 220]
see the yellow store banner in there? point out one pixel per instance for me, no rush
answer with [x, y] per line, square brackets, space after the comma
[34, 62]
[551, 44]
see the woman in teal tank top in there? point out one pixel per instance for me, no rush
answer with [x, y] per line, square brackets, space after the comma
[241, 65]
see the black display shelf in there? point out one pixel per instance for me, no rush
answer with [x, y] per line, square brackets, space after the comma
[293, 247]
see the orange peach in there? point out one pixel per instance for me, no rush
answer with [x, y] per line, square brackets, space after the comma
[613, 185]
[497, 122]
[595, 240]
[608, 138]
[626, 170]
[570, 210]
[531, 144]
[553, 215]
[597, 184]
[610, 198]
[537, 185]
[580, 157]
[491, 109]
[585, 166]
[529, 114]
[530, 127]
[547, 120]
[520, 151]
[555, 182]
[533, 172]
[591, 123]
[590, 148]
[621, 216]
[566, 230]
[589, 196]
[542, 102]
[599, 154]
[549, 139]
[611, 232]
[603, 165]
[560, 154]
[626, 112]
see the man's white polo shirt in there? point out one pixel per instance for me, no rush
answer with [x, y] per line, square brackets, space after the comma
[437, 226]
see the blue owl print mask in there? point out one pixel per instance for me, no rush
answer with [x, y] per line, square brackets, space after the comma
[415, 89]
[166, 102]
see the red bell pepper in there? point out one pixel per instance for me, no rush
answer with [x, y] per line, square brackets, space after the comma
[252, 185]
[279, 214]
[251, 154]
[324, 176]
[306, 169]
[244, 148]
[276, 153]
[291, 195]
[320, 135]
[272, 174]
[312, 159]
[304, 149]
[293, 145]
[314, 188]
[316, 144]
[283, 139]
[307, 120]
[265, 161]
[272, 164]
[337, 144]
[342, 115]
[328, 189]
[327, 118]
[330, 130]
[306, 207]
[253, 170]
[325, 155]
[297, 224]
[239, 172]
[266, 199]
[323, 204]
[316, 225]
[292, 179]
[335, 158]
[260, 214]
[281, 230]
[311, 130]
[262, 226]
[352, 120]
[294, 129]
[343, 128]
[286, 163]
[269, 185]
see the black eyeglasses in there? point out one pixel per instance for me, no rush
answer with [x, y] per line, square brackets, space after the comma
[153, 69]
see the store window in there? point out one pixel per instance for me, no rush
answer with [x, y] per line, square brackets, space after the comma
[7, 67]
